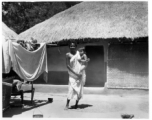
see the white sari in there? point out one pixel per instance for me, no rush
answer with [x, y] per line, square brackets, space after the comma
[75, 84]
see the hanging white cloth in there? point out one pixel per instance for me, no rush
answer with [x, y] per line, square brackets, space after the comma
[6, 62]
[29, 65]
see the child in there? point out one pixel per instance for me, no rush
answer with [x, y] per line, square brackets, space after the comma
[84, 62]
[83, 58]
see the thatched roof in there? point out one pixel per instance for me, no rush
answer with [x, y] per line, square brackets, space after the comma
[7, 32]
[94, 20]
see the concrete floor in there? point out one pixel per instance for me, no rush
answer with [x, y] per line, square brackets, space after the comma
[104, 105]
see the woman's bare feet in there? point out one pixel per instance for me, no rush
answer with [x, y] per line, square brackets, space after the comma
[66, 108]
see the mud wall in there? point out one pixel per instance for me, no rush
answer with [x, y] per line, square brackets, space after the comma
[127, 66]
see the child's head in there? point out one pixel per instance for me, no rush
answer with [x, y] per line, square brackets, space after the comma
[81, 51]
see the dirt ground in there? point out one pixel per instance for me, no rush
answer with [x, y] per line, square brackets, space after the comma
[107, 105]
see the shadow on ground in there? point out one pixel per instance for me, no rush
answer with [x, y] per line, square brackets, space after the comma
[81, 106]
[17, 108]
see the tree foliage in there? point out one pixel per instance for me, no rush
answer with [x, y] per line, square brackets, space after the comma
[20, 16]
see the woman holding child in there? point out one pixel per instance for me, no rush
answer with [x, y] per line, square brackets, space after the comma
[76, 62]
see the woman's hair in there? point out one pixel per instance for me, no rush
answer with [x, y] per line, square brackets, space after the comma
[72, 44]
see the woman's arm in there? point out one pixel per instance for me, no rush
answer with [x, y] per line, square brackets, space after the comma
[67, 59]
[68, 64]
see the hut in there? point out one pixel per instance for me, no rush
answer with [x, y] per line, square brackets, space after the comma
[8, 33]
[7, 73]
[115, 36]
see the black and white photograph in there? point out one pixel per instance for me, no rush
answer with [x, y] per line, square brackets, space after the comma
[75, 59]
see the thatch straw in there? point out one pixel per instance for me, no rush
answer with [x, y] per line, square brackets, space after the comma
[7, 32]
[93, 20]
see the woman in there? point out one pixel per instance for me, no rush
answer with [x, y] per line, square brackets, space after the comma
[75, 75]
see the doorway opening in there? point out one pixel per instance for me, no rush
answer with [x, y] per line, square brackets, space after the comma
[95, 72]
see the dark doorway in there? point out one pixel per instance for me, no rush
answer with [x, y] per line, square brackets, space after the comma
[95, 75]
